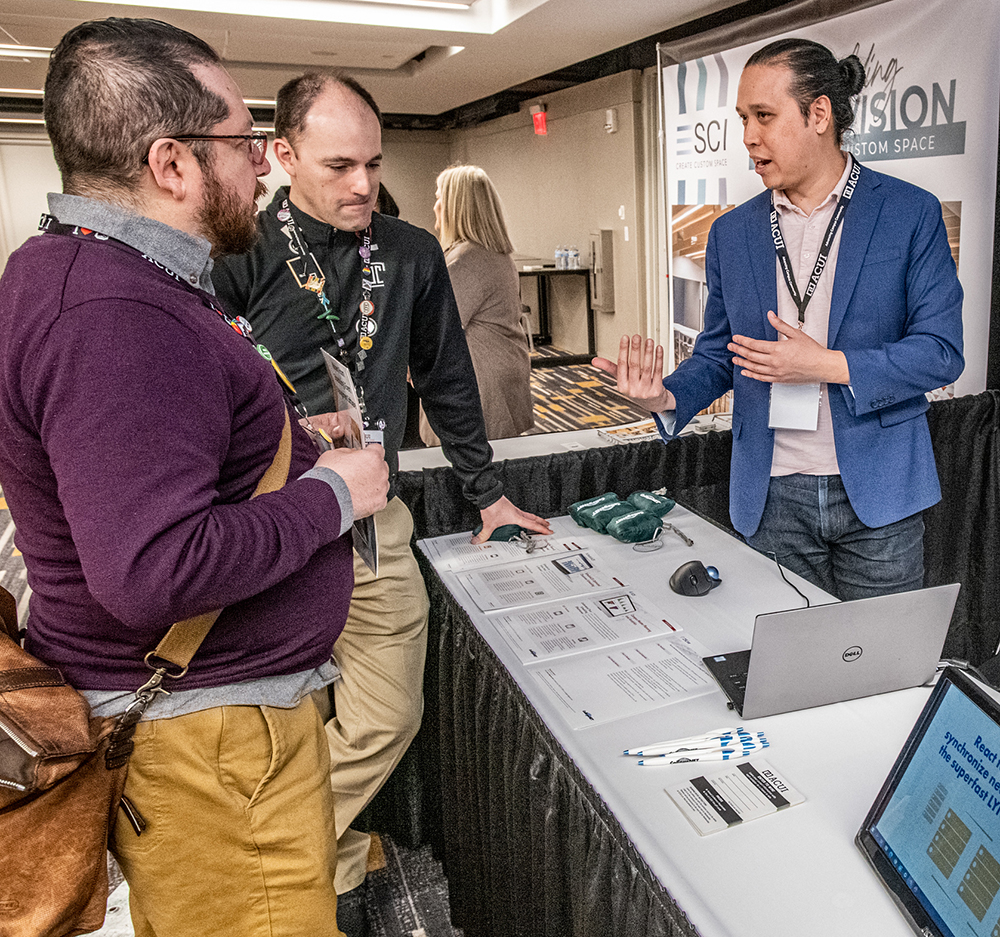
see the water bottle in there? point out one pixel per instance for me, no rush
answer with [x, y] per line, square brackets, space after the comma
[574, 258]
[560, 258]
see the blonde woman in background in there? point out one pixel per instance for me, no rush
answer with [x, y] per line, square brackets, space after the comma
[469, 220]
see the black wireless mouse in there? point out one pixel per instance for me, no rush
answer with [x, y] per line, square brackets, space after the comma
[695, 578]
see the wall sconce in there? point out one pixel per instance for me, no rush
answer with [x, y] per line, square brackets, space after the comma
[611, 120]
[538, 118]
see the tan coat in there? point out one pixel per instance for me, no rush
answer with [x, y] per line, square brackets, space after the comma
[489, 303]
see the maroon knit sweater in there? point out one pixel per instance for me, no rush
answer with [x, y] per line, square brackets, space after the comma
[134, 425]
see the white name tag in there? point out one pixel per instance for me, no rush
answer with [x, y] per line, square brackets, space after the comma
[374, 436]
[794, 406]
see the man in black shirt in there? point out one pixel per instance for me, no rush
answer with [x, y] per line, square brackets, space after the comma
[373, 291]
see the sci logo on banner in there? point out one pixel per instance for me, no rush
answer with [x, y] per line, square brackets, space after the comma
[904, 122]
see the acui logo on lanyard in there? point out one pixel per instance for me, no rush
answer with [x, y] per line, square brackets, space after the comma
[824, 252]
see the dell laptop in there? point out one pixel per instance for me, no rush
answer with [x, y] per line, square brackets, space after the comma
[828, 653]
[933, 834]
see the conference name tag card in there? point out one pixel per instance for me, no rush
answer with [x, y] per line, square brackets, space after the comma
[794, 406]
[738, 793]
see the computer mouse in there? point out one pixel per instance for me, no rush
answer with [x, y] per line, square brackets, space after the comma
[695, 578]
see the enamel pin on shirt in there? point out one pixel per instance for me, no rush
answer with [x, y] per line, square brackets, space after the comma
[309, 275]
[366, 326]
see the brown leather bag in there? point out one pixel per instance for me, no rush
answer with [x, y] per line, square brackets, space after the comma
[63, 772]
[57, 798]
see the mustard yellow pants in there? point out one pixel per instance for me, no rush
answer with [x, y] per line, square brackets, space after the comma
[241, 836]
[379, 698]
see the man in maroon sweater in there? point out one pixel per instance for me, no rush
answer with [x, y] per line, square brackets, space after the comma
[135, 421]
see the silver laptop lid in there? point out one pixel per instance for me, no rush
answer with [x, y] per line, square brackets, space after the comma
[828, 653]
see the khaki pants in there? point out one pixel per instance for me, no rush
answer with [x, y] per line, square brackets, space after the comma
[240, 838]
[379, 698]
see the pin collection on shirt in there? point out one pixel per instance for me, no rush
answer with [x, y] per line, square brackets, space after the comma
[308, 274]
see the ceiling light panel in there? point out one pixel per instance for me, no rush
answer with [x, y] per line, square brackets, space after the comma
[467, 19]
[320, 45]
[478, 16]
[11, 51]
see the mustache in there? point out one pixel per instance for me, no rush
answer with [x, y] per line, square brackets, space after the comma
[260, 190]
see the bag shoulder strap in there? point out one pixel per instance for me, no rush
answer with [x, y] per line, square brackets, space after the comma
[184, 638]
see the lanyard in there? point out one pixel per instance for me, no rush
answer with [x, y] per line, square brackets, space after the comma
[309, 276]
[824, 252]
[238, 324]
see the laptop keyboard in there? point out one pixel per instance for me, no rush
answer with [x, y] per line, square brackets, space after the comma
[730, 670]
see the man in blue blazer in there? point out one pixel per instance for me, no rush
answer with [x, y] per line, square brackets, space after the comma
[832, 460]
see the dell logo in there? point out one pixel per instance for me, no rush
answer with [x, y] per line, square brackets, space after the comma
[852, 653]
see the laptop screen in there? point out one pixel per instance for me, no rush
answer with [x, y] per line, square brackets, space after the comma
[933, 834]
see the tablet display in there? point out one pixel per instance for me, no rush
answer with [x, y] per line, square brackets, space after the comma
[933, 834]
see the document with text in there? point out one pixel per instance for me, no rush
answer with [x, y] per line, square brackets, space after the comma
[538, 579]
[455, 553]
[585, 624]
[734, 794]
[634, 678]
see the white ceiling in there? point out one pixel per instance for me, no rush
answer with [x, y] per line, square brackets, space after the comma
[504, 42]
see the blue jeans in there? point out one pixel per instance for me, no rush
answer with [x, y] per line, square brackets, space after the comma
[810, 526]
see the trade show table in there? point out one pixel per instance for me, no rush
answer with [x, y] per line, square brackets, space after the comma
[541, 852]
[545, 830]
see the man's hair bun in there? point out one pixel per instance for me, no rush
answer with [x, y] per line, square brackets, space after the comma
[853, 73]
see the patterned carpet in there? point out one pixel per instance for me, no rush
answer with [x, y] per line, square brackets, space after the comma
[12, 575]
[408, 897]
[579, 396]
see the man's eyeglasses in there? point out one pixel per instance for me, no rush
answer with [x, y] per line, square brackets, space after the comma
[256, 141]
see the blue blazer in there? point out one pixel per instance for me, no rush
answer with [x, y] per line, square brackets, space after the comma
[896, 314]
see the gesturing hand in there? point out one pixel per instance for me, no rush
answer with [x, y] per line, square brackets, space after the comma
[794, 358]
[639, 373]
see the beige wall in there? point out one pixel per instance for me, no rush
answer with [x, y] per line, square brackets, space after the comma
[555, 190]
[27, 172]
[412, 161]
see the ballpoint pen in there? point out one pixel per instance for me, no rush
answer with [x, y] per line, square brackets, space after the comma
[711, 735]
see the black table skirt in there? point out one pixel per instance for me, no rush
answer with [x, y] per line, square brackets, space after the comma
[529, 847]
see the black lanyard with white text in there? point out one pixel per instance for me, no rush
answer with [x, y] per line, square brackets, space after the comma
[824, 252]
[238, 324]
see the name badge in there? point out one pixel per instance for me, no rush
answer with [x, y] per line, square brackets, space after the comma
[794, 406]
[374, 436]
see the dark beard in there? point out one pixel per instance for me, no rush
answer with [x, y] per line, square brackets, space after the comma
[227, 222]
